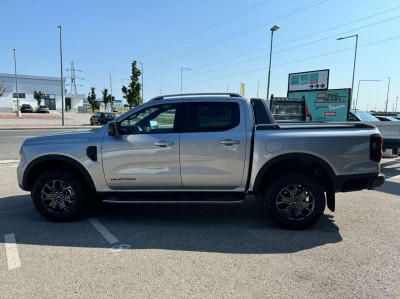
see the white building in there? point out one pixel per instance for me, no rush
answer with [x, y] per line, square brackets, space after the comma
[50, 86]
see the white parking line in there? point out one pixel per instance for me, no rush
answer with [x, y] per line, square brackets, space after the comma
[12, 252]
[8, 161]
[393, 177]
[103, 231]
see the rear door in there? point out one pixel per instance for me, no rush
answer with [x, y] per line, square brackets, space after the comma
[213, 145]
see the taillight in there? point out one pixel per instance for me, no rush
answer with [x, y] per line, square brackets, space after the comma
[375, 148]
[102, 118]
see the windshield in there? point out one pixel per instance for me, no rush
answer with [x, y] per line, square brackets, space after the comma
[364, 116]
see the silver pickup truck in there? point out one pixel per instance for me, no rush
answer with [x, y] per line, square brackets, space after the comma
[202, 148]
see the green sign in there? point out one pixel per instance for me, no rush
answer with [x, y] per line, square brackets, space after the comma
[326, 105]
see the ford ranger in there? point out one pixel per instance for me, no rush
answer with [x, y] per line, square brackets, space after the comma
[202, 148]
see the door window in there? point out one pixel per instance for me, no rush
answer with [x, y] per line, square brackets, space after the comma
[212, 116]
[151, 120]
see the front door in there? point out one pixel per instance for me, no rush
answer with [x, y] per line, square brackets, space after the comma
[213, 145]
[146, 153]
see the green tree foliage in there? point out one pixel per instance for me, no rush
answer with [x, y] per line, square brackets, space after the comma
[132, 92]
[106, 97]
[92, 99]
[2, 89]
[38, 95]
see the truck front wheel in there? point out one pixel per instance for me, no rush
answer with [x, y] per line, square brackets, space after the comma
[294, 200]
[58, 196]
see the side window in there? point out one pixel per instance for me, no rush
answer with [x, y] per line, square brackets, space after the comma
[212, 116]
[151, 120]
[352, 117]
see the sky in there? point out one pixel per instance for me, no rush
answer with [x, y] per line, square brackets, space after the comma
[223, 42]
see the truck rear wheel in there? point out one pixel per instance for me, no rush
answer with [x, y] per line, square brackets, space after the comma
[58, 196]
[294, 200]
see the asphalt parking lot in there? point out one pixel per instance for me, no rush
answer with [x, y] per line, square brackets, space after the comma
[201, 250]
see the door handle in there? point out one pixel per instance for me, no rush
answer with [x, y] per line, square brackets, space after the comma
[164, 143]
[229, 142]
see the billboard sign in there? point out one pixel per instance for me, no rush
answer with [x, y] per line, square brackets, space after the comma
[314, 80]
[327, 105]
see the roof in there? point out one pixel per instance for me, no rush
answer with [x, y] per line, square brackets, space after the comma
[30, 77]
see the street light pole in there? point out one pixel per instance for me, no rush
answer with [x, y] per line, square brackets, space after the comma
[387, 96]
[182, 69]
[16, 83]
[274, 28]
[358, 89]
[62, 83]
[355, 58]
[141, 64]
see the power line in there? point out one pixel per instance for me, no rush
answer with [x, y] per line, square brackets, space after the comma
[295, 61]
[302, 37]
[283, 50]
[235, 35]
[209, 45]
[204, 30]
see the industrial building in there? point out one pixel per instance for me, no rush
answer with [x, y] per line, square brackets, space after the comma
[50, 86]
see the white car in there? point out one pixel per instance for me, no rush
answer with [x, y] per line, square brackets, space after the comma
[43, 109]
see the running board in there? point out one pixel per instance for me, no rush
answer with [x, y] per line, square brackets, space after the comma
[173, 197]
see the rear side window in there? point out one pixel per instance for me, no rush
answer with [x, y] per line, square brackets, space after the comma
[212, 116]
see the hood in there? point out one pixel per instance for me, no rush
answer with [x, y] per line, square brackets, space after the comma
[64, 137]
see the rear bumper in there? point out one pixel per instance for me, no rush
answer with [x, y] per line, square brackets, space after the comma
[358, 182]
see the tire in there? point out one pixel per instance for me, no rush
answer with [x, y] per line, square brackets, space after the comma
[294, 201]
[67, 196]
[91, 123]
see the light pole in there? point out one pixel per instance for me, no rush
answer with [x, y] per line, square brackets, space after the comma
[273, 29]
[387, 96]
[141, 65]
[182, 69]
[355, 57]
[112, 103]
[62, 83]
[358, 89]
[16, 83]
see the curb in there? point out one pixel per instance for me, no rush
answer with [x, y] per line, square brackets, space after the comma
[49, 128]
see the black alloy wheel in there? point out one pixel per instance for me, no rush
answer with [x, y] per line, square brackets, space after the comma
[294, 200]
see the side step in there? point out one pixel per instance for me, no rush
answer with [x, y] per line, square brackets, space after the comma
[173, 197]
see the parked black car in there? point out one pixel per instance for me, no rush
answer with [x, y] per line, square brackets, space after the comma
[26, 108]
[101, 118]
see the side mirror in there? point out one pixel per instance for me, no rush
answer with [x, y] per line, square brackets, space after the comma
[112, 128]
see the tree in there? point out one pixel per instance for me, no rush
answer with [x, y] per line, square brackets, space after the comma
[2, 89]
[92, 99]
[132, 92]
[38, 95]
[106, 97]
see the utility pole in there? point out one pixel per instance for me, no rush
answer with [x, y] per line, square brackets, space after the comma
[354, 65]
[16, 83]
[258, 87]
[73, 78]
[62, 85]
[397, 99]
[273, 29]
[387, 96]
